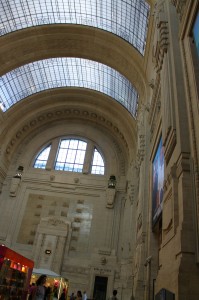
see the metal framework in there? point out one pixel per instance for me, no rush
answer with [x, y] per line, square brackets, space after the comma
[66, 72]
[126, 18]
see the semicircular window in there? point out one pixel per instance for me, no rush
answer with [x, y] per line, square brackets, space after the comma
[72, 155]
[66, 72]
[126, 18]
[42, 158]
[98, 163]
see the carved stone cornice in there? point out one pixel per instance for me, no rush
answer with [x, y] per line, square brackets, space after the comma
[171, 140]
[156, 92]
[183, 164]
[161, 46]
[131, 191]
[180, 6]
[161, 36]
[168, 180]
[55, 115]
[55, 222]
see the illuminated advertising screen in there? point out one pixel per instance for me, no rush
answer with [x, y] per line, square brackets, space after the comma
[196, 33]
[157, 183]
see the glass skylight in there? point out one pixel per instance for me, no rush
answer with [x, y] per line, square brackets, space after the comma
[126, 18]
[66, 72]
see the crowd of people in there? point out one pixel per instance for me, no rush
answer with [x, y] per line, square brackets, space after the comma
[39, 291]
[79, 296]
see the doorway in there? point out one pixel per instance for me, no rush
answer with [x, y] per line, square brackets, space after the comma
[100, 288]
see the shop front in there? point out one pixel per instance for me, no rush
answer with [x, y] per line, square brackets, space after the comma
[15, 274]
[54, 282]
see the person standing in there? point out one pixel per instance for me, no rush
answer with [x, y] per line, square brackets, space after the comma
[63, 295]
[39, 291]
[72, 297]
[84, 296]
[79, 295]
[114, 296]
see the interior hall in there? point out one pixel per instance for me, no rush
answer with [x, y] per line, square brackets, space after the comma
[99, 143]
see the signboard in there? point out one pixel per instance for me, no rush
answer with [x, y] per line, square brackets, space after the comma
[157, 183]
[196, 33]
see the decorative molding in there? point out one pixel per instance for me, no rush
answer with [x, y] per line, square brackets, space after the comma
[161, 37]
[183, 164]
[110, 194]
[131, 189]
[15, 182]
[155, 105]
[55, 221]
[193, 136]
[180, 6]
[169, 144]
[57, 115]
[170, 206]
[101, 271]
[139, 222]
[104, 252]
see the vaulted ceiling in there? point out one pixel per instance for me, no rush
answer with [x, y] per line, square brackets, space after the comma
[54, 60]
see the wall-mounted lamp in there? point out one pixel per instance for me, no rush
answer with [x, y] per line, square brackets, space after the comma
[19, 172]
[15, 182]
[112, 182]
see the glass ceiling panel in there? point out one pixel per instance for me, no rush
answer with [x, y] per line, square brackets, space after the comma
[126, 18]
[66, 72]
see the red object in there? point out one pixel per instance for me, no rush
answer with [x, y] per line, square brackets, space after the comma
[6, 252]
[15, 272]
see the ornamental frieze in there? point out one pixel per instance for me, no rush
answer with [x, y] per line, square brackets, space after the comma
[180, 6]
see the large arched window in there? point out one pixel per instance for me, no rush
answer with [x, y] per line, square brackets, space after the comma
[72, 155]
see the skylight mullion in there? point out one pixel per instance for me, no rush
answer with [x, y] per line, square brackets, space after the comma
[7, 92]
[25, 8]
[5, 14]
[56, 12]
[11, 12]
[48, 75]
[29, 76]
[13, 87]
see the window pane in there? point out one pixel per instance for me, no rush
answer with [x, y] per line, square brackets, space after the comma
[98, 163]
[71, 155]
[42, 158]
